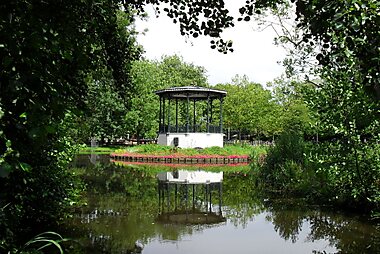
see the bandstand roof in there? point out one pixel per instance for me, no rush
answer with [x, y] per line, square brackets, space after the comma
[194, 92]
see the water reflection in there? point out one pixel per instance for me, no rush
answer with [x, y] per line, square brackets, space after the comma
[90, 160]
[126, 214]
[193, 217]
[185, 197]
[196, 185]
[95, 214]
[348, 233]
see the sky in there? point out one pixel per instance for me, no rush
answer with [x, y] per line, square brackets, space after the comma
[255, 54]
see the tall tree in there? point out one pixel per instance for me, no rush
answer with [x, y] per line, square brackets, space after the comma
[247, 107]
[338, 33]
[295, 114]
[142, 119]
[343, 38]
[105, 104]
[149, 76]
[47, 49]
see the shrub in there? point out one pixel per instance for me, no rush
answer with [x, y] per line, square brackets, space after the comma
[284, 162]
[37, 199]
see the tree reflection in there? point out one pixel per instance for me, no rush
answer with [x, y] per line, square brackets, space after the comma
[347, 233]
[123, 208]
[241, 199]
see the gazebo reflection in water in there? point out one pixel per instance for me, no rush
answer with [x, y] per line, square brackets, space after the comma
[190, 197]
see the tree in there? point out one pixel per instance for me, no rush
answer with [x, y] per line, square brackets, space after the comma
[179, 73]
[295, 114]
[141, 119]
[247, 107]
[343, 38]
[348, 33]
[150, 76]
[47, 49]
[106, 110]
[42, 75]
[349, 127]
[195, 18]
[334, 32]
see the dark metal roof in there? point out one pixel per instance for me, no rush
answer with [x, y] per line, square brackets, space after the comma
[191, 92]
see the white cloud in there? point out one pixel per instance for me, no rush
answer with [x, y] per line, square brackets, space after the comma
[254, 54]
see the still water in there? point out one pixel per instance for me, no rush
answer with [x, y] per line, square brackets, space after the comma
[127, 213]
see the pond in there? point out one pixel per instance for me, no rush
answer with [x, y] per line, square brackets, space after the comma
[128, 211]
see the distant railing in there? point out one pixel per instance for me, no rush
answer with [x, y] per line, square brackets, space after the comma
[249, 142]
[190, 128]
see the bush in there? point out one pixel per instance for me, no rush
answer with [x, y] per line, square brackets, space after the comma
[37, 201]
[284, 162]
[340, 173]
[348, 174]
[258, 156]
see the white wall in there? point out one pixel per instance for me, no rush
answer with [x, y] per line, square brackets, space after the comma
[192, 140]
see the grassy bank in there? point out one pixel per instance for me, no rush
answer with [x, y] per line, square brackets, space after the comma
[160, 150]
[98, 150]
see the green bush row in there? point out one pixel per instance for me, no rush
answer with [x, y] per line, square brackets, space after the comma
[333, 173]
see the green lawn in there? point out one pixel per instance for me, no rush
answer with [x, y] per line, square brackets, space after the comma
[98, 150]
[154, 149]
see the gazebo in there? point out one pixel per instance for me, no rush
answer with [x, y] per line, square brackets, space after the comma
[187, 117]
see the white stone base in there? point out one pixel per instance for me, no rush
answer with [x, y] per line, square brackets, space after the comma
[191, 140]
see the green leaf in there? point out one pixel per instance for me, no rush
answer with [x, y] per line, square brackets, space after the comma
[5, 169]
[25, 167]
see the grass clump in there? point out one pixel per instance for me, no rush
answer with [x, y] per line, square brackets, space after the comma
[155, 149]
[98, 150]
[161, 150]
